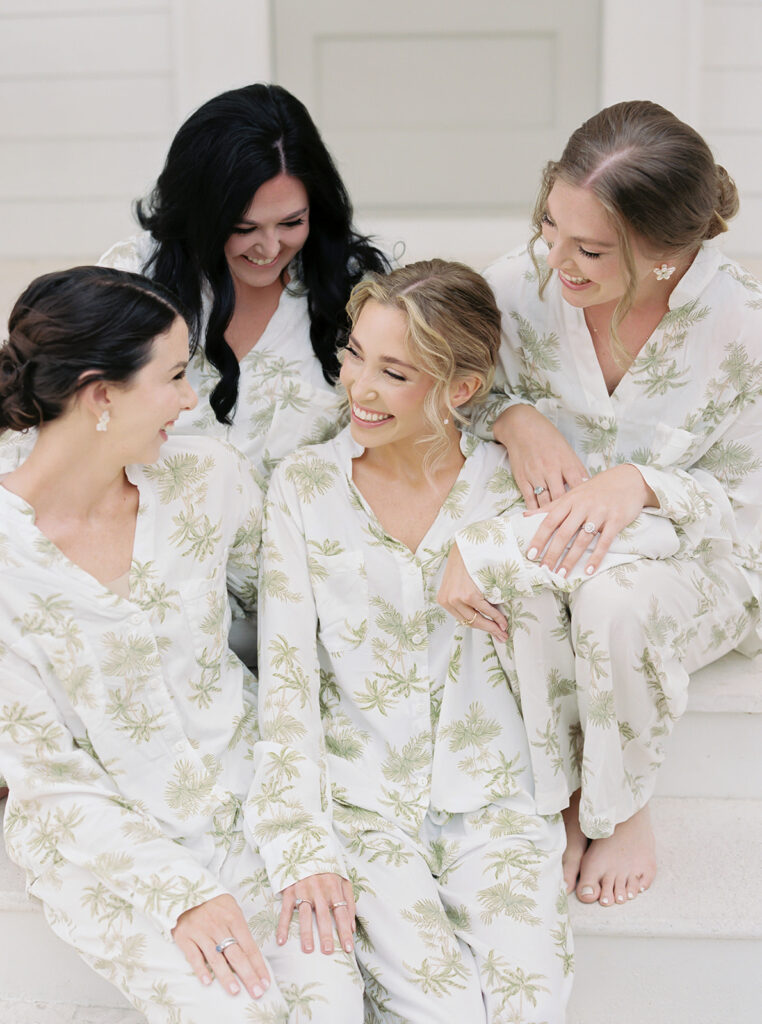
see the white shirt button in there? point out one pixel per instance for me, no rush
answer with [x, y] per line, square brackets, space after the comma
[179, 747]
[418, 638]
[136, 619]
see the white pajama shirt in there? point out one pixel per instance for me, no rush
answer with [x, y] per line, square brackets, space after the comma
[393, 752]
[126, 731]
[602, 663]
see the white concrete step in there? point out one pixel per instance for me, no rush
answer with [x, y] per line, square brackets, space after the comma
[689, 951]
[65, 1013]
[716, 748]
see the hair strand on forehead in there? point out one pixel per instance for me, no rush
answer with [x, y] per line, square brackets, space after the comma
[453, 332]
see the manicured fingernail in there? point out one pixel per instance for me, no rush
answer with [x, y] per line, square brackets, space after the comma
[264, 982]
[348, 947]
[308, 947]
[586, 890]
[642, 889]
[257, 991]
[630, 895]
[281, 939]
[327, 947]
[206, 980]
[532, 554]
[589, 570]
[234, 989]
[620, 899]
[561, 572]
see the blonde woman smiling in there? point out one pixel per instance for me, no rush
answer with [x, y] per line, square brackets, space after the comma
[393, 792]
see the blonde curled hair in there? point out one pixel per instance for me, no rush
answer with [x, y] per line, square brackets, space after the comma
[453, 332]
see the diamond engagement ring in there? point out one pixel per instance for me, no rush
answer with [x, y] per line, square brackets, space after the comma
[302, 899]
[224, 943]
[540, 489]
[590, 527]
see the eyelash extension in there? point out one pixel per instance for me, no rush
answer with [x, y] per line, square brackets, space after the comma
[284, 224]
[545, 219]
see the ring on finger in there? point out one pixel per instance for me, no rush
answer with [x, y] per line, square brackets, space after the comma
[470, 622]
[339, 903]
[223, 944]
[539, 489]
[590, 527]
[303, 899]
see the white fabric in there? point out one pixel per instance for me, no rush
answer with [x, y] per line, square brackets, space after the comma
[283, 399]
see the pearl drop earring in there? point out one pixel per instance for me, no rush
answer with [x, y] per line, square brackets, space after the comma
[102, 425]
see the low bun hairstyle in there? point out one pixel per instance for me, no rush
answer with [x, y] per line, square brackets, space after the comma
[74, 326]
[654, 175]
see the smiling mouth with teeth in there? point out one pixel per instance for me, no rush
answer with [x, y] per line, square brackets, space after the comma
[367, 416]
[259, 263]
[573, 280]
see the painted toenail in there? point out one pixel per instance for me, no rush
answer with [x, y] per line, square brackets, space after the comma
[642, 889]
[587, 891]
[620, 899]
[604, 900]
[630, 895]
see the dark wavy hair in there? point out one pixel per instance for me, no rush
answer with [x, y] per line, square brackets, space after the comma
[72, 327]
[220, 156]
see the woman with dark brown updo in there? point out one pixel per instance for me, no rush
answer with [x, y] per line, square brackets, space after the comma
[633, 364]
[126, 724]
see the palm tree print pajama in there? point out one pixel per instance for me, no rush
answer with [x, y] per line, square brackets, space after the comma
[601, 664]
[393, 753]
[126, 731]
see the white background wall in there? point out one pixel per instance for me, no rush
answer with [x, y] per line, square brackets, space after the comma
[91, 92]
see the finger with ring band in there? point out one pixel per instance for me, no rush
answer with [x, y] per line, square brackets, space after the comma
[224, 943]
[539, 489]
[470, 622]
[590, 527]
[339, 903]
[303, 899]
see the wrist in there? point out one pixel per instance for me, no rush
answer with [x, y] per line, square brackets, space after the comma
[505, 422]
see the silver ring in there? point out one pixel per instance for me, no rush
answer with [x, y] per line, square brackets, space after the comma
[540, 489]
[223, 945]
[339, 903]
[590, 527]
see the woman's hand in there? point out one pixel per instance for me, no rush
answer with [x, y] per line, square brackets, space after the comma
[201, 929]
[606, 504]
[322, 895]
[459, 595]
[539, 455]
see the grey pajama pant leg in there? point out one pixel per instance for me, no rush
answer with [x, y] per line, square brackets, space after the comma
[466, 921]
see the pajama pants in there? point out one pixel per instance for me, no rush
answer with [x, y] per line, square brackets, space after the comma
[601, 674]
[465, 922]
[125, 946]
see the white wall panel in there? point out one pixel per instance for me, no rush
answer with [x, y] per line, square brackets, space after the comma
[733, 34]
[72, 107]
[78, 168]
[81, 44]
[63, 228]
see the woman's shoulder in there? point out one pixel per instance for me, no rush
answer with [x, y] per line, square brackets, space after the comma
[131, 254]
[515, 280]
[196, 463]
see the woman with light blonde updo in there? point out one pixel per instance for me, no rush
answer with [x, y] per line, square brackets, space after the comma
[632, 366]
[393, 775]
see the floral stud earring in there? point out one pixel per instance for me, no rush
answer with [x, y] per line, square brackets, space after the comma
[102, 424]
[663, 273]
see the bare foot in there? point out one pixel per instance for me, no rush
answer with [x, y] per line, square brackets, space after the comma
[616, 869]
[576, 843]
